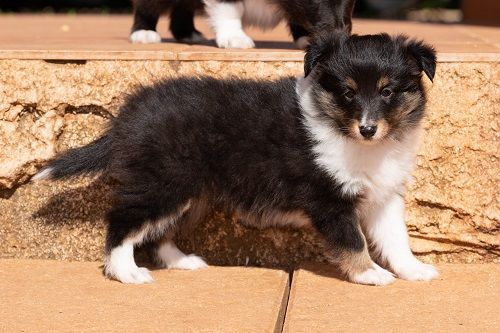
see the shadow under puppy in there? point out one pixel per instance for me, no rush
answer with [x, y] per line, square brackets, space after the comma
[331, 150]
[228, 17]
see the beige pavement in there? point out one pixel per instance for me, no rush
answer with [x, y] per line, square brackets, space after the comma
[57, 296]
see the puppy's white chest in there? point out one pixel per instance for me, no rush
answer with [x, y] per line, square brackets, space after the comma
[377, 172]
[261, 13]
[374, 170]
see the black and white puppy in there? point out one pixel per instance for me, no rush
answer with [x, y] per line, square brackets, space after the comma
[228, 17]
[331, 150]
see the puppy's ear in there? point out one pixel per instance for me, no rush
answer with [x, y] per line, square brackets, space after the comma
[425, 55]
[320, 49]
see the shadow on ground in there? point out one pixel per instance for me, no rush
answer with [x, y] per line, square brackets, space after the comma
[219, 238]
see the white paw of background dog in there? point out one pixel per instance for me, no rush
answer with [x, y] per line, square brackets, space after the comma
[145, 37]
[234, 40]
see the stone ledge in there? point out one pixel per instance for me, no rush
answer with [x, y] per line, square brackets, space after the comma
[47, 107]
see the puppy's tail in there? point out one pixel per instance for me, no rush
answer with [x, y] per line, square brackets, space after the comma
[91, 158]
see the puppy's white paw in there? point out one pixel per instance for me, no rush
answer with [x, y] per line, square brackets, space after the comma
[132, 275]
[189, 262]
[145, 37]
[416, 271]
[376, 276]
[171, 257]
[234, 40]
[195, 38]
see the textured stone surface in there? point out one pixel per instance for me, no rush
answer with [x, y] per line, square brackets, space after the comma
[46, 107]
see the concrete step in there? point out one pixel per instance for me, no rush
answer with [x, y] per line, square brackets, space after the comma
[465, 298]
[64, 76]
[57, 296]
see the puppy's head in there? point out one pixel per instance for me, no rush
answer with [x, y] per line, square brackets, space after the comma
[369, 87]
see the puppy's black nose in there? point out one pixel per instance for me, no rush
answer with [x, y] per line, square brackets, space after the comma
[367, 131]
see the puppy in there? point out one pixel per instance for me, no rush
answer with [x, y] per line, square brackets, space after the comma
[228, 17]
[331, 150]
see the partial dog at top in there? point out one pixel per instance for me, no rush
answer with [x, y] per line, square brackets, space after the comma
[331, 150]
[229, 17]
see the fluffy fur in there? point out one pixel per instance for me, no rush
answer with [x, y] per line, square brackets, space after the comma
[285, 152]
[229, 17]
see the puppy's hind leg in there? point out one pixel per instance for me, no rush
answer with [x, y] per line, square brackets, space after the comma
[169, 256]
[348, 245]
[167, 253]
[128, 227]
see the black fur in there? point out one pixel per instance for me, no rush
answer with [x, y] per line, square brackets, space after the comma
[304, 17]
[243, 144]
[147, 13]
[94, 157]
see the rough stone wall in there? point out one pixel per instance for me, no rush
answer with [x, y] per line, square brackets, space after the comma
[45, 107]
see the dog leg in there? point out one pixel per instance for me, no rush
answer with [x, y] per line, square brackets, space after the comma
[348, 245]
[145, 21]
[386, 230]
[129, 227]
[225, 18]
[182, 25]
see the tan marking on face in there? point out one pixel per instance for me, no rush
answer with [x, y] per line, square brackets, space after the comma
[382, 130]
[382, 82]
[354, 131]
[411, 101]
[330, 107]
[351, 83]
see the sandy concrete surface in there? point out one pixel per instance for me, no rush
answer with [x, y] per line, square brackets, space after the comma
[465, 298]
[54, 296]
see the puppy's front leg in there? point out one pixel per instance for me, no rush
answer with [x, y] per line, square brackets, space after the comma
[386, 230]
[343, 234]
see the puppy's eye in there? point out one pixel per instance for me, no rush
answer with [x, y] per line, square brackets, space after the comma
[386, 92]
[349, 95]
